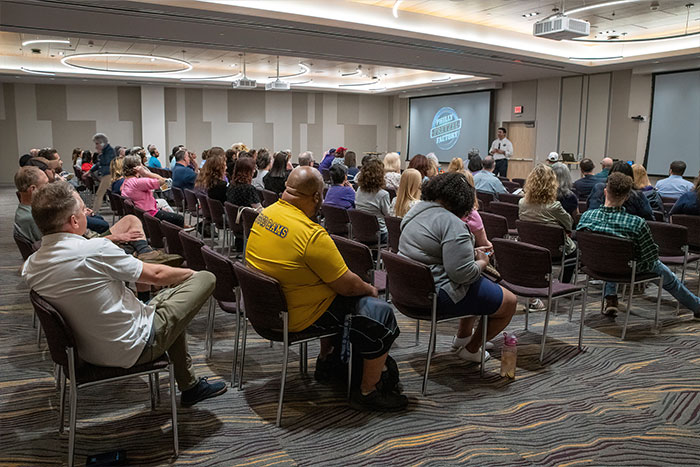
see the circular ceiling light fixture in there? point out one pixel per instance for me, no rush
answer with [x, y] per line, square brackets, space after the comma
[214, 78]
[375, 81]
[37, 72]
[304, 70]
[46, 41]
[183, 65]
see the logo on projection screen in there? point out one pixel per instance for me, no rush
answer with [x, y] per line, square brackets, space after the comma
[445, 128]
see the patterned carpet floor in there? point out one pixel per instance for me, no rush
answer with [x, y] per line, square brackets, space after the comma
[633, 403]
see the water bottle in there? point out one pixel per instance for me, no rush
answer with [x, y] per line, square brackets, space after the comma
[509, 355]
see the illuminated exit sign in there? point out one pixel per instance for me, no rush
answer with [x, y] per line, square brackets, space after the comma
[518, 109]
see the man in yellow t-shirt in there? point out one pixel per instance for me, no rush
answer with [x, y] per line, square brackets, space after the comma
[320, 290]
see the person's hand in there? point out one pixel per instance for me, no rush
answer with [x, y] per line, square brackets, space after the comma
[347, 183]
[125, 237]
[480, 255]
[88, 212]
[373, 291]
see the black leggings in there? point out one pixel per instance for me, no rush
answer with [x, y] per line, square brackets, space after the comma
[569, 270]
[171, 217]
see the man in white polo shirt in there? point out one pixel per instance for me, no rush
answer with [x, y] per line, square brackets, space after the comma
[501, 150]
[84, 279]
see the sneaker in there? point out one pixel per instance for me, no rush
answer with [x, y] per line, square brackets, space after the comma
[536, 305]
[202, 390]
[459, 342]
[378, 400]
[611, 306]
[160, 257]
[475, 357]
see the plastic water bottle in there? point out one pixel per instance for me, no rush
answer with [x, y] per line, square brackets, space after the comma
[509, 355]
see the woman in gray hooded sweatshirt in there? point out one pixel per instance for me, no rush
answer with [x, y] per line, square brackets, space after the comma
[433, 233]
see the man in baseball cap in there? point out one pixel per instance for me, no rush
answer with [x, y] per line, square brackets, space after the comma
[552, 158]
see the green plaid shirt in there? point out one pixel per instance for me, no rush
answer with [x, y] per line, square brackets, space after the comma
[617, 222]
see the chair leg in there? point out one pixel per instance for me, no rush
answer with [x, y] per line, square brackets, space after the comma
[244, 324]
[173, 409]
[210, 327]
[306, 358]
[301, 358]
[282, 384]
[235, 348]
[544, 329]
[658, 306]
[417, 331]
[350, 372]
[33, 319]
[152, 391]
[583, 314]
[38, 334]
[484, 328]
[156, 382]
[527, 314]
[629, 311]
[61, 398]
[72, 422]
[431, 345]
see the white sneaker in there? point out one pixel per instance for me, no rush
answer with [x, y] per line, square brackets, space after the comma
[536, 305]
[459, 342]
[475, 357]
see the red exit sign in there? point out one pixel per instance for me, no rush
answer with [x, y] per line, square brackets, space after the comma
[518, 109]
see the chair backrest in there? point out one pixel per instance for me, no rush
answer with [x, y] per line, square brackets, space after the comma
[59, 335]
[236, 224]
[179, 197]
[551, 237]
[222, 268]
[326, 175]
[510, 186]
[218, 214]
[485, 199]
[89, 182]
[507, 210]
[264, 301]
[495, 225]
[503, 179]
[671, 238]
[138, 212]
[582, 206]
[191, 203]
[192, 251]
[119, 204]
[26, 248]
[523, 264]
[668, 207]
[173, 244]
[269, 197]
[248, 216]
[336, 219]
[658, 216]
[668, 199]
[112, 203]
[128, 206]
[152, 227]
[509, 198]
[204, 205]
[605, 255]
[358, 257]
[411, 285]
[365, 226]
[393, 227]
[519, 181]
[693, 225]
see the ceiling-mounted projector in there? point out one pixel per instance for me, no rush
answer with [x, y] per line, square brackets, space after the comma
[244, 83]
[277, 85]
[561, 27]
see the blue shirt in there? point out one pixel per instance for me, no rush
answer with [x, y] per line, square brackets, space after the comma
[585, 184]
[103, 161]
[603, 175]
[154, 162]
[183, 177]
[340, 196]
[673, 186]
[487, 182]
[688, 203]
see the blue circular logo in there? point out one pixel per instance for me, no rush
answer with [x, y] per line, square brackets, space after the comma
[445, 128]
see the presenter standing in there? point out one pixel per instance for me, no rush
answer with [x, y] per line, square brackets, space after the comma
[501, 150]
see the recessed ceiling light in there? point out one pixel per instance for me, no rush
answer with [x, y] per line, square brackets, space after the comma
[46, 41]
[531, 14]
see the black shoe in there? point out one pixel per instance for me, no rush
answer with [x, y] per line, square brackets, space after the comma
[202, 390]
[611, 306]
[325, 370]
[696, 314]
[378, 401]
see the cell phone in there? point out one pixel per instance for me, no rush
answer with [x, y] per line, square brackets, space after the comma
[107, 458]
[488, 253]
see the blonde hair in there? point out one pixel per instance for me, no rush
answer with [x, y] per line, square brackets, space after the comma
[470, 180]
[641, 179]
[541, 185]
[457, 165]
[392, 162]
[116, 168]
[409, 190]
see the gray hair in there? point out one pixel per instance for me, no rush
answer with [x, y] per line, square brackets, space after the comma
[180, 155]
[563, 178]
[100, 138]
[151, 148]
[130, 164]
[52, 206]
[306, 158]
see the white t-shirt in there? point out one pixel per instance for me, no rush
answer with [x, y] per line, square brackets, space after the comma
[503, 144]
[84, 280]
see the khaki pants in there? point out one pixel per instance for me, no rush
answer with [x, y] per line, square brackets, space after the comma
[105, 183]
[175, 308]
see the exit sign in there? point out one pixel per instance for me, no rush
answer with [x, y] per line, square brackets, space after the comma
[518, 109]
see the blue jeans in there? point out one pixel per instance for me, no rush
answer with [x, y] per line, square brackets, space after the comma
[97, 224]
[672, 285]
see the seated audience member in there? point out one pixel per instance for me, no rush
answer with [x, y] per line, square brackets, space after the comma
[552, 158]
[606, 166]
[138, 186]
[636, 203]
[231, 158]
[306, 159]
[277, 176]
[611, 219]
[240, 192]
[211, 177]
[77, 157]
[540, 205]
[85, 280]
[153, 160]
[116, 170]
[50, 168]
[172, 155]
[642, 183]
[351, 164]
[321, 291]
[327, 160]
[475, 164]
[340, 194]
[205, 154]
[423, 165]
[183, 174]
[392, 170]
[263, 164]
[567, 198]
[436, 164]
[688, 203]
[24, 159]
[339, 156]
[371, 196]
[474, 222]
[27, 180]
[675, 185]
[484, 179]
[434, 234]
[456, 165]
[408, 194]
[585, 184]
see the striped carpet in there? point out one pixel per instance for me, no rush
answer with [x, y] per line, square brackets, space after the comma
[633, 403]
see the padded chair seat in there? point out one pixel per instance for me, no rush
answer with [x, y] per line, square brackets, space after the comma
[228, 307]
[678, 260]
[558, 289]
[277, 335]
[615, 278]
[88, 373]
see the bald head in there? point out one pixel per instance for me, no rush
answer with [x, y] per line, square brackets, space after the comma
[304, 190]
[606, 163]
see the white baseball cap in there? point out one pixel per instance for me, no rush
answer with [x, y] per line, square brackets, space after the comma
[553, 157]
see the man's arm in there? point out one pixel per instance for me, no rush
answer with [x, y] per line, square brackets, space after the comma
[159, 274]
[509, 149]
[350, 285]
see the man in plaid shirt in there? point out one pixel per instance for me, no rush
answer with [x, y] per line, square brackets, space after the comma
[612, 219]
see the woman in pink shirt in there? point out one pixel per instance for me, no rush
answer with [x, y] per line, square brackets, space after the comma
[138, 186]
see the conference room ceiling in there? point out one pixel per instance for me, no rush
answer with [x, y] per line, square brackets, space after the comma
[419, 50]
